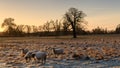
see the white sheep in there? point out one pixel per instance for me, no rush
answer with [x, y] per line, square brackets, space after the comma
[36, 55]
[58, 51]
[40, 56]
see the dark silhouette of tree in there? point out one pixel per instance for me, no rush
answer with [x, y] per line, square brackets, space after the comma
[9, 26]
[47, 26]
[74, 16]
[65, 27]
[117, 30]
[20, 30]
[57, 26]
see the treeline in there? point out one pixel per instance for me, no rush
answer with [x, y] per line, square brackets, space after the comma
[73, 23]
[50, 28]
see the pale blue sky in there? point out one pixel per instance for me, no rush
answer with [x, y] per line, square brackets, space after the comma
[103, 13]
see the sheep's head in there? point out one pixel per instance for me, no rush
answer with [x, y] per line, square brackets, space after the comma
[23, 52]
[53, 49]
[33, 55]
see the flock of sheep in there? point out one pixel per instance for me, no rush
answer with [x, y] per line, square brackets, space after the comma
[49, 51]
[98, 53]
[39, 55]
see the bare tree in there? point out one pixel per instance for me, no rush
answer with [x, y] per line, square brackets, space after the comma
[47, 26]
[57, 26]
[74, 16]
[27, 29]
[9, 26]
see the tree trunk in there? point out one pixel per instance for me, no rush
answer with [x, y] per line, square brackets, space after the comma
[74, 32]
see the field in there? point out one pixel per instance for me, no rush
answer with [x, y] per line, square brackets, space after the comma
[103, 51]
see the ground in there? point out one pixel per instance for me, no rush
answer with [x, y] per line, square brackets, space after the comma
[102, 50]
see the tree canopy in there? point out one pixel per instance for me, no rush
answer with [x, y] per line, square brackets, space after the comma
[74, 17]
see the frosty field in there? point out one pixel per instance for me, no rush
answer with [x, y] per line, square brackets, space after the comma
[103, 51]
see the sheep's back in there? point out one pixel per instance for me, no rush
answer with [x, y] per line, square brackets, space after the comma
[40, 54]
[59, 51]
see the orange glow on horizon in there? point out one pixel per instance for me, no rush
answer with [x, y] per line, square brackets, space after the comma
[106, 20]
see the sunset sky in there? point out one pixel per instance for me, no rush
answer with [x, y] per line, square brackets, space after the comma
[103, 13]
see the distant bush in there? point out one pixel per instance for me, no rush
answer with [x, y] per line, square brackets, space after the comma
[99, 30]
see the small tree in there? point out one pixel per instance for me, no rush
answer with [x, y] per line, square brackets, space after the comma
[74, 16]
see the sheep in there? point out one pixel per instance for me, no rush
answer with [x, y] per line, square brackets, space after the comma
[36, 55]
[40, 56]
[58, 51]
[29, 55]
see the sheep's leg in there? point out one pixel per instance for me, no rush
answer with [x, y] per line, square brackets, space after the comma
[44, 60]
[30, 59]
[57, 55]
[33, 57]
[35, 60]
[26, 59]
[49, 53]
[38, 60]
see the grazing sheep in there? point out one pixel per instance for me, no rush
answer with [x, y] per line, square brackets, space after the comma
[24, 52]
[29, 55]
[40, 56]
[36, 55]
[58, 51]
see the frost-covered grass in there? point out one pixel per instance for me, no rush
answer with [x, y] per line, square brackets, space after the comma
[87, 45]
